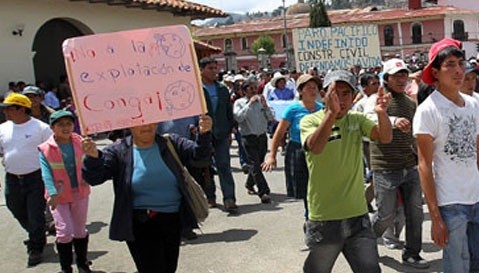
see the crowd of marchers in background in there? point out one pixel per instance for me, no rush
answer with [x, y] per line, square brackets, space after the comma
[401, 134]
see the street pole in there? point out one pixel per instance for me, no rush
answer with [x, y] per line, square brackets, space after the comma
[286, 40]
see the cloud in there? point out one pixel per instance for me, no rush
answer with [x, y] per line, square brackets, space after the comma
[244, 6]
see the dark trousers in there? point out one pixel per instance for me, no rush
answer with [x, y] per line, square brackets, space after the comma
[243, 158]
[157, 242]
[256, 147]
[24, 198]
[353, 237]
[204, 177]
[296, 171]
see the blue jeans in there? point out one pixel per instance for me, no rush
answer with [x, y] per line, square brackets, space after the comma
[223, 165]
[386, 185]
[24, 198]
[353, 237]
[461, 255]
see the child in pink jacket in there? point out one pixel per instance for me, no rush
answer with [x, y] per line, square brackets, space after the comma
[65, 191]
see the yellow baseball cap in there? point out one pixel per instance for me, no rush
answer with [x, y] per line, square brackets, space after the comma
[16, 99]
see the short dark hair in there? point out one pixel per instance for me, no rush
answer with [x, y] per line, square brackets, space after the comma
[206, 61]
[247, 84]
[448, 51]
[366, 77]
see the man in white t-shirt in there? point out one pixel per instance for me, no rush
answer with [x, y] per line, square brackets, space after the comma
[446, 126]
[19, 137]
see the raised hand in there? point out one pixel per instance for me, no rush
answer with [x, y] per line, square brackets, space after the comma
[263, 101]
[89, 147]
[382, 101]
[331, 100]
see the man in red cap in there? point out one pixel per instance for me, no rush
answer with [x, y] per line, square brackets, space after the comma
[446, 126]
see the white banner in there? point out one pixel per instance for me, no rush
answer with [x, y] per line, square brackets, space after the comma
[338, 47]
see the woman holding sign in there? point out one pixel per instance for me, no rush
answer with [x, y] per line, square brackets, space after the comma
[151, 202]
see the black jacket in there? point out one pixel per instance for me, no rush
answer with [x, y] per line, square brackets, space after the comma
[116, 162]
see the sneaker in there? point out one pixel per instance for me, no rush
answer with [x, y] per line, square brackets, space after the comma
[265, 199]
[34, 257]
[212, 203]
[250, 189]
[392, 243]
[84, 268]
[188, 234]
[416, 262]
[230, 205]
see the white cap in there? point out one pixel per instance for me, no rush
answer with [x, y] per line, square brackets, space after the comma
[229, 79]
[239, 77]
[394, 65]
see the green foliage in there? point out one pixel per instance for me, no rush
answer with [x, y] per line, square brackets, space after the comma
[265, 42]
[318, 17]
[277, 12]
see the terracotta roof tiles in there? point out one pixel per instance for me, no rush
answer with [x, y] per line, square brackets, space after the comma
[275, 24]
[177, 7]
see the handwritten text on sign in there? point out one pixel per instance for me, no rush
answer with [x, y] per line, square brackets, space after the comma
[338, 47]
[131, 78]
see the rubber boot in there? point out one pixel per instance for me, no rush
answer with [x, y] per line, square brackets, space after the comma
[66, 256]
[81, 249]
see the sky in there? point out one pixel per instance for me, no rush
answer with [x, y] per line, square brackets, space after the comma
[243, 6]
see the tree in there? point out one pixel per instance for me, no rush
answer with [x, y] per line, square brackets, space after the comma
[278, 11]
[318, 17]
[265, 42]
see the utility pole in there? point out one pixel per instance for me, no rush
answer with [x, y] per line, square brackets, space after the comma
[286, 39]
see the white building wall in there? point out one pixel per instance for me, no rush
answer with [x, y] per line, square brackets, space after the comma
[465, 4]
[471, 25]
[16, 56]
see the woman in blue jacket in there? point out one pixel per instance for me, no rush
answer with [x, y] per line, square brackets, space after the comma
[151, 201]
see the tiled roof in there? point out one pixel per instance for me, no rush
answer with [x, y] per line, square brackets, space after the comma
[204, 46]
[177, 7]
[353, 16]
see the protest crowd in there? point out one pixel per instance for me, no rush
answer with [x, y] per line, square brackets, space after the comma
[363, 148]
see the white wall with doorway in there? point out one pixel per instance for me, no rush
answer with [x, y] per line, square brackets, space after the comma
[29, 15]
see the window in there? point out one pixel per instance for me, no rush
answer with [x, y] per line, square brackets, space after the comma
[244, 43]
[458, 31]
[416, 33]
[228, 45]
[388, 36]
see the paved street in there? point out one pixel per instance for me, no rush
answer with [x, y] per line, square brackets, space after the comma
[262, 238]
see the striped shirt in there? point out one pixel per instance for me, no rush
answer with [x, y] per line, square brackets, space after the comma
[401, 152]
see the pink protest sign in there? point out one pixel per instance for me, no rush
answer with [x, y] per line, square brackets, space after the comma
[135, 77]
